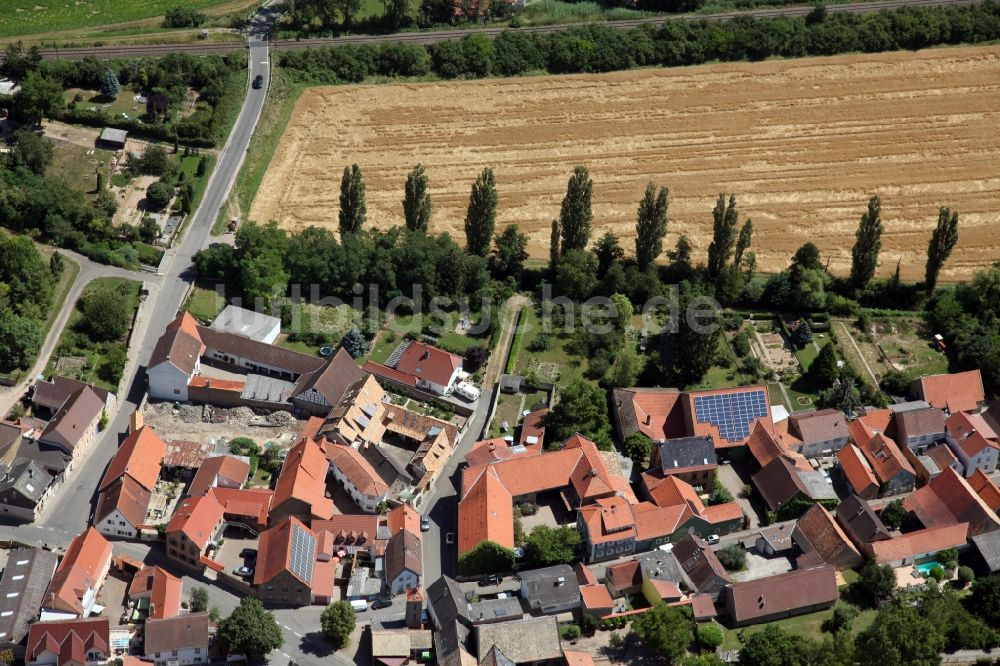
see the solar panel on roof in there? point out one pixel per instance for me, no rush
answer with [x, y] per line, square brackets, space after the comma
[302, 555]
[731, 413]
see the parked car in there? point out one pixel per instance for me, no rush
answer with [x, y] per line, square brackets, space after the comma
[712, 538]
[491, 579]
[381, 603]
[258, 81]
[244, 572]
[425, 523]
[449, 538]
[249, 552]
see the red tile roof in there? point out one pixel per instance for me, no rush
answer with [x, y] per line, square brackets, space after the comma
[986, 489]
[596, 597]
[703, 607]
[825, 535]
[180, 344]
[161, 587]
[949, 499]
[957, 392]
[696, 429]
[73, 419]
[609, 519]
[624, 575]
[126, 495]
[531, 427]
[358, 529]
[86, 560]
[857, 470]
[494, 450]
[762, 445]
[403, 517]
[303, 477]
[274, 552]
[719, 513]
[655, 412]
[574, 658]
[140, 456]
[227, 467]
[971, 432]
[917, 543]
[784, 593]
[357, 469]
[232, 385]
[430, 363]
[254, 503]
[68, 640]
[885, 457]
[584, 575]
[653, 521]
[486, 513]
[197, 518]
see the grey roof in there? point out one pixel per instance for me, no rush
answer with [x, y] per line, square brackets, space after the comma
[9, 433]
[70, 423]
[496, 658]
[543, 587]
[255, 325]
[52, 460]
[259, 352]
[662, 565]
[510, 383]
[445, 596]
[189, 630]
[22, 587]
[821, 426]
[54, 393]
[266, 389]
[701, 565]
[493, 610]
[26, 478]
[919, 422]
[403, 553]
[687, 452]
[529, 640]
[988, 545]
[114, 135]
[449, 641]
[908, 406]
[860, 522]
[819, 486]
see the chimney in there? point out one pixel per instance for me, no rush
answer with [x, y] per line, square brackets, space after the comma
[135, 421]
[648, 419]
[560, 581]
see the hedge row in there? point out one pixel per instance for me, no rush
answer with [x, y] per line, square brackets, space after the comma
[599, 48]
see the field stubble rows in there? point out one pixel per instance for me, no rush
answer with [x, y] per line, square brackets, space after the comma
[802, 143]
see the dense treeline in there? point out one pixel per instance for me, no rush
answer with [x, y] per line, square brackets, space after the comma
[163, 81]
[599, 48]
[26, 286]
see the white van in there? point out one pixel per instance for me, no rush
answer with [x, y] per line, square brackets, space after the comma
[359, 605]
[467, 391]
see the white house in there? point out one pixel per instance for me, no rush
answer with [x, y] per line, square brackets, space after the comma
[359, 478]
[434, 369]
[254, 325]
[178, 641]
[403, 563]
[68, 643]
[973, 442]
[175, 360]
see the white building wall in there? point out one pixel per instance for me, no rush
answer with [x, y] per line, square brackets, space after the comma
[402, 581]
[167, 382]
[115, 525]
[182, 656]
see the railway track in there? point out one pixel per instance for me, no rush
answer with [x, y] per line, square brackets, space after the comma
[221, 48]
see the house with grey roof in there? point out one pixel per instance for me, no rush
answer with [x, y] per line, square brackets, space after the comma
[821, 433]
[920, 428]
[24, 487]
[74, 426]
[449, 612]
[860, 521]
[532, 640]
[691, 459]
[551, 590]
[403, 561]
[22, 588]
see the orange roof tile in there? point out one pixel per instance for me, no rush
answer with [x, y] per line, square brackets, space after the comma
[489, 451]
[762, 445]
[885, 457]
[986, 489]
[86, 559]
[197, 518]
[658, 413]
[486, 513]
[303, 477]
[667, 589]
[166, 599]
[274, 553]
[653, 521]
[720, 513]
[957, 392]
[574, 658]
[247, 502]
[857, 470]
[696, 428]
[918, 543]
[403, 517]
[605, 512]
[672, 490]
[949, 499]
[140, 456]
[357, 468]
[201, 381]
[584, 575]
[227, 467]
[424, 361]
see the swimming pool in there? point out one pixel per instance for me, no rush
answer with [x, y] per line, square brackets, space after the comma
[926, 567]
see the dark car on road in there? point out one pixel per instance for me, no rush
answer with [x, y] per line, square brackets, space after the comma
[258, 81]
[380, 603]
[492, 579]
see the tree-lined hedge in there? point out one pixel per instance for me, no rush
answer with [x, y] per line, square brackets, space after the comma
[598, 48]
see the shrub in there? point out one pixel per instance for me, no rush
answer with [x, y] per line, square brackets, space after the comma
[570, 632]
[732, 557]
[528, 509]
[710, 637]
[158, 195]
[966, 575]
[615, 641]
[541, 343]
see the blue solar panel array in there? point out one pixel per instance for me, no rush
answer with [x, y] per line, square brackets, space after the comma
[731, 413]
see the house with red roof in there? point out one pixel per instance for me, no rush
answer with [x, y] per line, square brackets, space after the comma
[301, 487]
[156, 591]
[194, 530]
[354, 532]
[360, 479]
[295, 565]
[973, 441]
[914, 547]
[421, 366]
[219, 472]
[949, 499]
[893, 471]
[248, 507]
[817, 531]
[78, 642]
[955, 392]
[986, 488]
[857, 472]
[129, 482]
[175, 359]
[79, 577]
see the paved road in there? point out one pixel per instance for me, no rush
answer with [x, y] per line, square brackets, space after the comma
[431, 37]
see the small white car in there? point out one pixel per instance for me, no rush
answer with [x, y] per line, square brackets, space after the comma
[713, 539]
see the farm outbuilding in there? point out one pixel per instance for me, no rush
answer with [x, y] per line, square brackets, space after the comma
[114, 138]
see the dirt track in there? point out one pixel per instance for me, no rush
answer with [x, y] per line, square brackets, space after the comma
[802, 143]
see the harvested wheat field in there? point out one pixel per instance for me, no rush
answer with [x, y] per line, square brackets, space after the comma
[802, 143]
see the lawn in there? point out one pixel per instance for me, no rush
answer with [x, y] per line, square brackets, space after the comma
[74, 343]
[92, 100]
[204, 304]
[775, 396]
[383, 346]
[189, 165]
[554, 364]
[79, 165]
[27, 17]
[806, 356]
[719, 376]
[509, 410]
[809, 625]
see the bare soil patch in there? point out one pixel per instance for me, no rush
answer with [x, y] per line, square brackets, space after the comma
[803, 144]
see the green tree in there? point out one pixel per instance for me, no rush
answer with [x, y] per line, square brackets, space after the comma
[875, 582]
[638, 446]
[509, 253]
[250, 630]
[32, 150]
[154, 161]
[348, 10]
[397, 14]
[807, 257]
[650, 225]
[692, 350]
[893, 514]
[353, 209]
[710, 636]
[773, 646]
[724, 218]
[680, 257]
[25, 279]
[199, 600]
[625, 369]
[354, 342]
[664, 630]
[109, 85]
[158, 195]
[984, 599]
[417, 200]
[575, 214]
[115, 359]
[900, 636]
[486, 557]
[576, 274]
[337, 623]
[39, 97]
[743, 244]
[546, 546]
[608, 251]
[481, 216]
[582, 408]
[554, 237]
[18, 61]
[20, 339]
[842, 618]
[966, 576]
[260, 261]
[105, 314]
[202, 168]
[868, 244]
[824, 371]
[942, 242]
[57, 264]
[733, 557]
